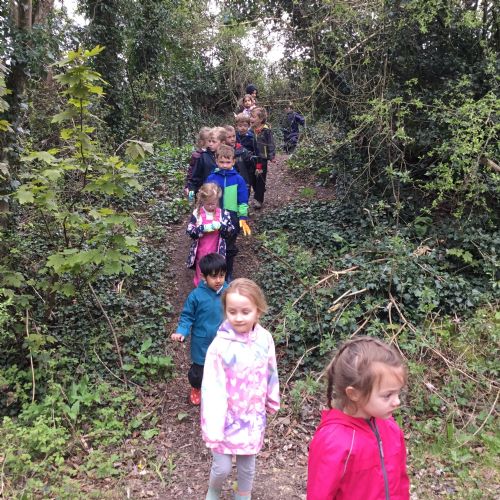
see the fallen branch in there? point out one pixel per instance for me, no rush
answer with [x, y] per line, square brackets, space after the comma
[115, 337]
[31, 358]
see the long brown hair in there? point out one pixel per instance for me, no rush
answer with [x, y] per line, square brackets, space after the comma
[352, 366]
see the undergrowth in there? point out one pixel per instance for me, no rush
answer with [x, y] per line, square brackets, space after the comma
[74, 384]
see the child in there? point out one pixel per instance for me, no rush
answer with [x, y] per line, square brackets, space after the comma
[240, 384]
[209, 227]
[201, 316]
[264, 150]
[245, 105]
[206, 164]
[291, 123]
[251, 89]
[234, 200]
[201, 146]
[358, 450]
[244, 135]
[244, 163]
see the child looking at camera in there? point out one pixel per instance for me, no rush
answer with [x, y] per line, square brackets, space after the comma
[209, 227]
[358, 450]
[239, 387]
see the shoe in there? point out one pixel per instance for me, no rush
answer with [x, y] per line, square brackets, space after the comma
[195, 396]
[257, 204]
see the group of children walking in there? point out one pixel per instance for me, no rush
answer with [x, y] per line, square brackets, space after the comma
[358, 450]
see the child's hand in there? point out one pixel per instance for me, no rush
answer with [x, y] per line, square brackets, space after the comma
[216, 225]
[190, 195]
[208, 228]
[177, 337]
[245, 228]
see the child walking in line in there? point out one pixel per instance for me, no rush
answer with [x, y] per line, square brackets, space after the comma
[244, 135]
[201, 316]
[209, 227]
[358, 450]
[201, 146]
[245, 105]
[243, 159]
[206, 164]
[239, 386]
[234, 200]
[264, 151]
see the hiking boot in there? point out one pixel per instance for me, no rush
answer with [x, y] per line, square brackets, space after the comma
[195, 396]
[257, 204]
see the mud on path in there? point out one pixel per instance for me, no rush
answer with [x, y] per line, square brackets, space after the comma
[282, 463]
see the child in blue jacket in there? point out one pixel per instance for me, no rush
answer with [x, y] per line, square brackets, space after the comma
[234, 200]
[201, 316]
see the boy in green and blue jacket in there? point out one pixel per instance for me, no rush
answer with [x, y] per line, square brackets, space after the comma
[234, 200]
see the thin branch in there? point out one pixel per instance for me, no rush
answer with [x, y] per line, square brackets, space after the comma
[111, 327]
[31, 358]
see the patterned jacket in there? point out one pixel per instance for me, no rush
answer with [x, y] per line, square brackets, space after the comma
[263, 143]
[195, 231]
[240, 382]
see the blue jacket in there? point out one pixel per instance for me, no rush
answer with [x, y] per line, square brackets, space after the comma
[201, 316]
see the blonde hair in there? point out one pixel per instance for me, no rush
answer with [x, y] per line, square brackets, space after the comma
[201, 139]
[242, 118]
[225, 151]
[219, 133]
[207, 192]
[229, 128]
[248, 289]
[352, 366]
[261, 113]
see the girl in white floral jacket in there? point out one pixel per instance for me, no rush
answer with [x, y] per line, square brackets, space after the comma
[240, 384]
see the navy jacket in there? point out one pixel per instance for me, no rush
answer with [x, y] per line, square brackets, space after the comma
[204, 167]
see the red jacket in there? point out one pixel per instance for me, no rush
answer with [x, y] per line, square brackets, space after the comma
[357, 459]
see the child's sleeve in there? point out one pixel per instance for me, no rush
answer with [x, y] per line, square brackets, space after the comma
[326, 465]
[188, 315]
[213, 398]
[242, 194]
[197, 176]
[273, 386]
[194, 230]
[271, 147]
[226, 225]
[300, 119]
[404, 480]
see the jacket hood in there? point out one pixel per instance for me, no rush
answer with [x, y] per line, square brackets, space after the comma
[226, 332]
[338, 417]
[224, 172]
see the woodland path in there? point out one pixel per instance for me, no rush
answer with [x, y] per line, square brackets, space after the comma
[183, 461]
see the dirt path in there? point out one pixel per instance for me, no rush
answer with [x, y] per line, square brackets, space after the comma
[182, 460]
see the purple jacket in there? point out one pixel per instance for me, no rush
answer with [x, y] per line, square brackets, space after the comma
[240, 382]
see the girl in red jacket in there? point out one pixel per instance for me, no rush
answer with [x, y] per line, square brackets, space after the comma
[358, 450]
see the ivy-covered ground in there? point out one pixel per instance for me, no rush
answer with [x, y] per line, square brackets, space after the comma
[97, 430]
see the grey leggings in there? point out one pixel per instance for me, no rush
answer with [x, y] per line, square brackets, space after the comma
[221, 468]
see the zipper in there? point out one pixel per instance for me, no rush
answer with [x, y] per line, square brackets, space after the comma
[381, 454]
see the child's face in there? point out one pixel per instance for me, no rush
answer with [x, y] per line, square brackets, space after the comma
[255, 121]
[213, 143]
[242, 128]
[215, 281]
[384, 398]
[210, 204]
[247, 103]
[241, 312]
[231, 138]
[225, 163]
[203, 142]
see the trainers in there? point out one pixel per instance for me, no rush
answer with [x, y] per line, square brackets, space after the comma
[195, 396]
[257, 204]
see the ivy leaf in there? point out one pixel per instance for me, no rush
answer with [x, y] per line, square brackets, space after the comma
[149, 433]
